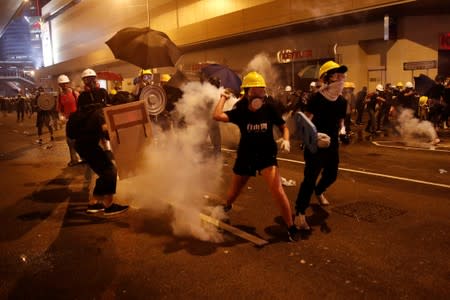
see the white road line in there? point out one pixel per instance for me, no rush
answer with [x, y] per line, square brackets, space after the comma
[432, 148]
[367, 173]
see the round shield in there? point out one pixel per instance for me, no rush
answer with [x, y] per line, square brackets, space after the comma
[155, 97]
[46, 101]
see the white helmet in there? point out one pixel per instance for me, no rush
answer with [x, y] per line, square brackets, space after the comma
[379, 87]
[312, 84]
[409, 85]
[88, 73]
[63, 79]
[288, 88]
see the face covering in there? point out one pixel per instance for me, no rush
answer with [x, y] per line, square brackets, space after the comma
[256, 103]
[332, 90]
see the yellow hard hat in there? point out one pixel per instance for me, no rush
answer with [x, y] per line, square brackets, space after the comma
[165, 77]
[349, 84]
[399, 84]
[331, 65]
[113, 92]
[423, 100]
[253, 79]
[145, 72]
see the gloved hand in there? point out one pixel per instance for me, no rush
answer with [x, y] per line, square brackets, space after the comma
[285, 146]
[342, 131]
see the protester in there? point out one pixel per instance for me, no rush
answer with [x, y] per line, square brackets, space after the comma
[67, 104]
[20, 106]
[326, 109]
[257, 149]
[43, 118]
[88, 133]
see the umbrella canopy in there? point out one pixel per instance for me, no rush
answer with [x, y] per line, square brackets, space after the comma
[423, 84]
[144, 47]
[228, 78]
[310, 71]
[107, 75]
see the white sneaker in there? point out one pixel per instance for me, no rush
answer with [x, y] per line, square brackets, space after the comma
[301, 223]
[322, 200]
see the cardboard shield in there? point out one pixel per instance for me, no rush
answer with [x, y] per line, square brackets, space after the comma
[46, 101]
[307, 130]
[129, 132]
[156, 99]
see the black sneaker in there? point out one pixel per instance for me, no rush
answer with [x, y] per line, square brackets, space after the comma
[95, 208]
[292, 233]
[115, 209]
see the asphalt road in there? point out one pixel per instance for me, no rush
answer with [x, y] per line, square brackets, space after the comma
[385, 236]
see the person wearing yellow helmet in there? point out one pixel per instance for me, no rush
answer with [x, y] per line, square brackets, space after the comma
[326, 109]
[257, 149]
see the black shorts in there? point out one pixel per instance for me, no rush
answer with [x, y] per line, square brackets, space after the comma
[248, 166]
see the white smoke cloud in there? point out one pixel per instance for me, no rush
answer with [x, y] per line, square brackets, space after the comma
[175, 173]
[413, 131]
[262, 64]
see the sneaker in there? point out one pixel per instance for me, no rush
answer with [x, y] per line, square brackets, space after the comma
[301, 223]
[115, 209]
[95, 208]
[292, 233]
[322, 200]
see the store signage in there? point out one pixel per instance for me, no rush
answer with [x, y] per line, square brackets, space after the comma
[444, 41]
[288, 55]
[420, 65]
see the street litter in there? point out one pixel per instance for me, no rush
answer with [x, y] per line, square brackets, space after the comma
[286, 182]
[442, 171]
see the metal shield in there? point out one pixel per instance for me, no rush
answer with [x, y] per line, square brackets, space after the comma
[46, 101]
[307, 130]
[155, 97]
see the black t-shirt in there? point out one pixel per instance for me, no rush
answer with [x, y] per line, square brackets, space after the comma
[97, 98]
[327, 115]
[256, 128]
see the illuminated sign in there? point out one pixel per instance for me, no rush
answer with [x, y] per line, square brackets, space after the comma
[288, 55]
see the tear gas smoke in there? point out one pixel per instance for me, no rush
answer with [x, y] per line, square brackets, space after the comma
[413, 131]
[175, 174]
[261, 63]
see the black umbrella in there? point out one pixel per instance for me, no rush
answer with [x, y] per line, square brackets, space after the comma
[423, 84]
[144, 47]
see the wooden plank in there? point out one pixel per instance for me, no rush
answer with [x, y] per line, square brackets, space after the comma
[242, 234]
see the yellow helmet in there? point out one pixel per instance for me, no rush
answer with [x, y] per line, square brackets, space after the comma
[423, 100]
[399, 84]
[165, 77]
[349, 84]
[113, 92]
[253, 79]
[331, 65]
[145, 72]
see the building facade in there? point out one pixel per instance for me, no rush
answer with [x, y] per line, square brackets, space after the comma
[380, 41]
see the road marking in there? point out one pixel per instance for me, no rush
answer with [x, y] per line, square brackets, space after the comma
[368, 173]
[246, 236]
[431, 148]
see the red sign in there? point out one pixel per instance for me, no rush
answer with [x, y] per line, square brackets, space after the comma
[444, 41]
[288, 55]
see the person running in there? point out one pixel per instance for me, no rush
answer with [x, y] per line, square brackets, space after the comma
[257, 149]
[326, 109]
[90, 131]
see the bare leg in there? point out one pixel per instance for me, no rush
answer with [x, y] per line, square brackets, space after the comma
[272, 176]
[237, 183]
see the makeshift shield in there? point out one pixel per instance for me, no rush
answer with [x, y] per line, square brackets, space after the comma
[155, 98]
[129, 131]
[46, 101]
[307, 131]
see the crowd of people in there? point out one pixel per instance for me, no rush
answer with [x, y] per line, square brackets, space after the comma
[331, 104]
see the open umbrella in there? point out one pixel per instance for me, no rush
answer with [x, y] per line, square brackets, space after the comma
[423, 84]
[228, 78]
[108, 75]
[144, 47]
